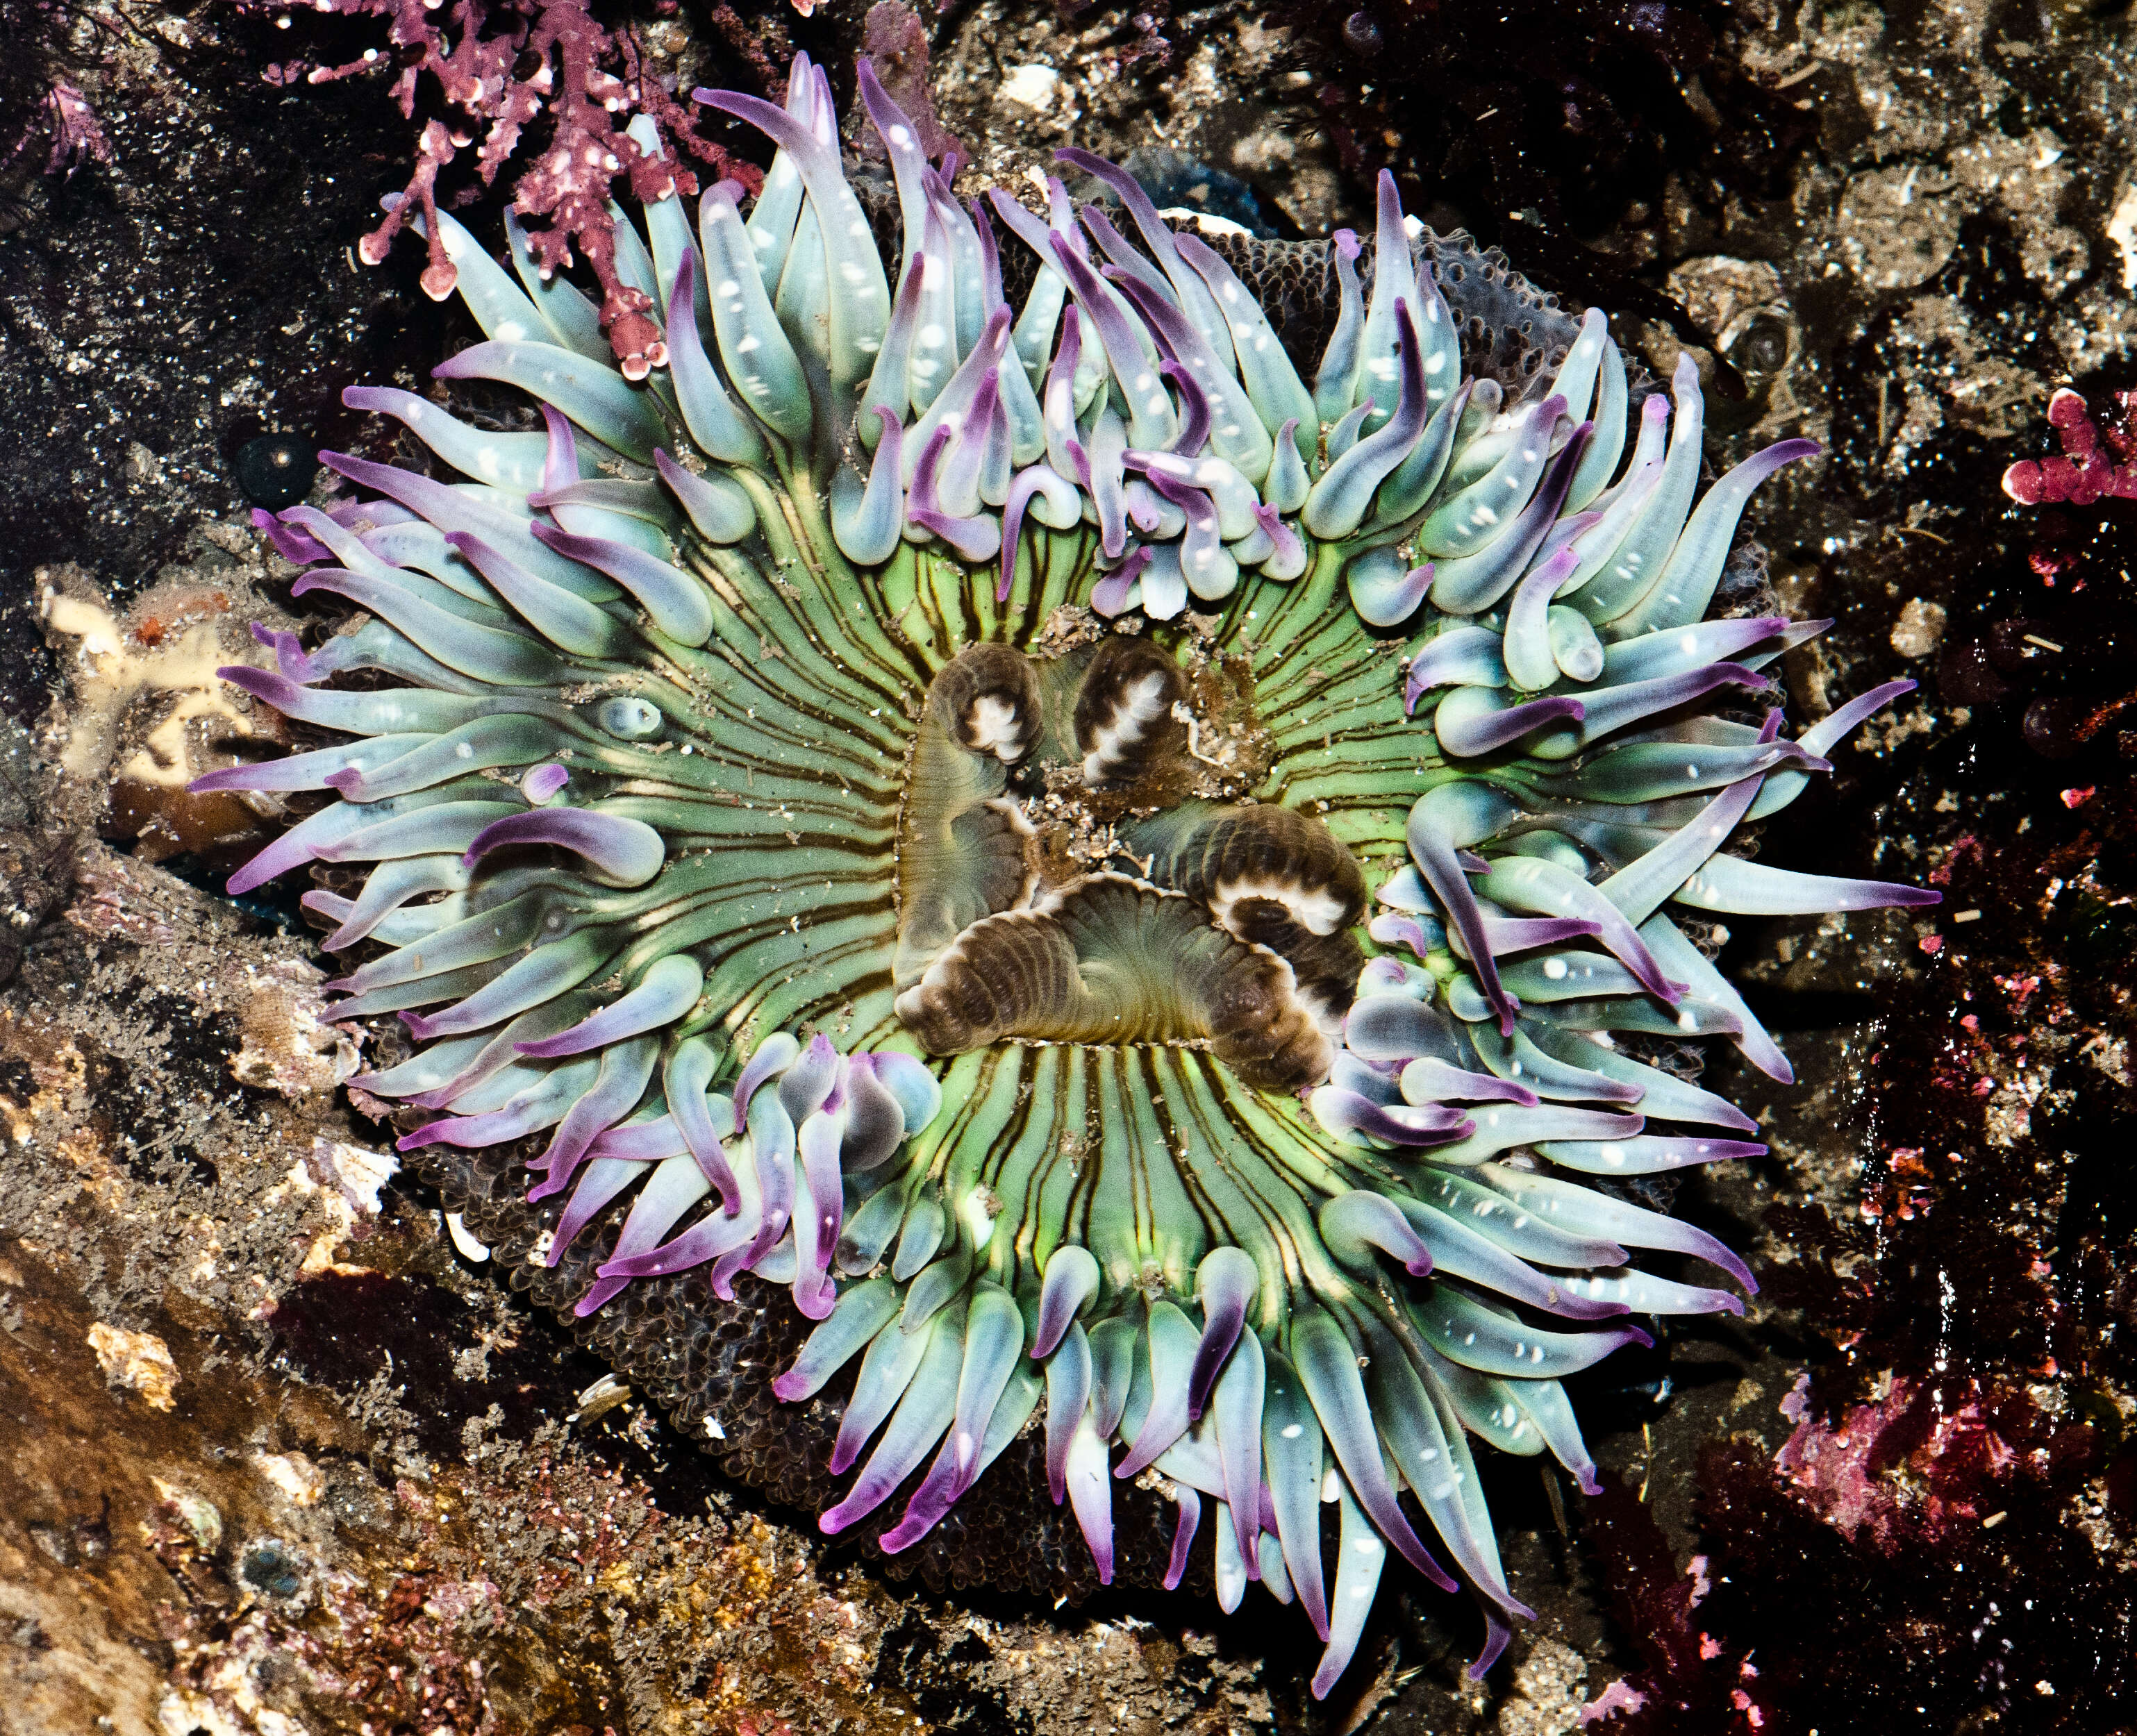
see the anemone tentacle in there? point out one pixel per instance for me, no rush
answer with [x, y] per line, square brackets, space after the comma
[1131, 881]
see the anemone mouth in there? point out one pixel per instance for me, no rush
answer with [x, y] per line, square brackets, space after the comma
[1132, 888]
[1073, 868]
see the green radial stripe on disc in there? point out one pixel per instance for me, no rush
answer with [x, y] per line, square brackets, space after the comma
[841, 655]
[779, 975]
[980, 1092]
[1150, 1152]
[1050, 1162]
[1169, 1233]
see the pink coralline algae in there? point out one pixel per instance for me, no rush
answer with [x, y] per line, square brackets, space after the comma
[2094, 465]
[501, 68]
[1945, 1461]
[1693, 1675]
[66, 126]
[77, 135]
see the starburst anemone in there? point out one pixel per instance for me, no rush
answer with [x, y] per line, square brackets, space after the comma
[1041, 926]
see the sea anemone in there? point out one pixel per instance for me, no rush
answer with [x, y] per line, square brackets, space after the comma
[1133, 886]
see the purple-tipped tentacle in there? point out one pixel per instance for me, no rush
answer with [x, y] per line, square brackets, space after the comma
[641, 1141]
[1459, 1251]
[1497, 1634]
[1455, 657]
[1091, 1494]
[1687, 586]
[863, 1312]
[300, 845]
[953, 407]
[923, 1415]
[1194, 411]
[1385, 589]
[976, 473]
[1065, 450]
[1821, 738]
[1220, 411]
[1434, 853]
[1194, 295]
[1646, 1154]
[1289, 559]
[451, 511]
[1340, 501]
[1490, 722]
[1392, 928]
[289, 658]
[604, 1178]
[860, 309]
[1203, 563]
[1639, 889]
[625, 1068]
[1328, 1368]
[1239, 1404]
[819, 1214]
[1613, 708]
[976, 539]
[812, 1082]
[627, 852]
[1529, 657]
[1427, 1079]
[541, 975]
[1062, 501]
[689, 1070]
[1828, 732]
[543, 781]
[1071, 1282]
[875, 1119]
[772, 1142]
[1067, 1395]
[1470, 584]
[677, 603]
[1226, 1281]
[1173, 1342]
[1342, 1112]
[1520, 933]
[1598, 1215]
[307, 770]
[529, 1114]
[500, 1051]
[1360, 1225]
[673, 1187]
[560, 460]
[1150, 408]
[990, 272]
[1128, 265]
[1109, 597]
[1105, 458]
[770, 1057]
[1183, 1535]
[712, 1237]
[1731, 885]
[867, 526]
[565, 619]
[1358, 1578]
[1531, 882]
[668, 989]
[291, 543]
[994, 1335]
